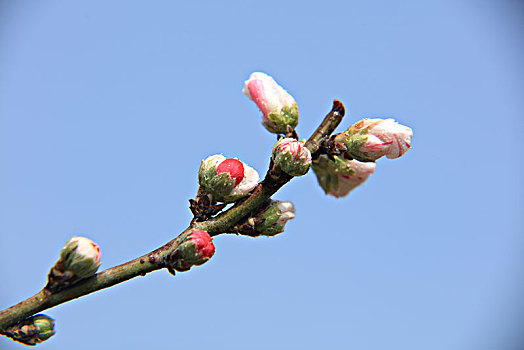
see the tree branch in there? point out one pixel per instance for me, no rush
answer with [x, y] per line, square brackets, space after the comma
[154, 260]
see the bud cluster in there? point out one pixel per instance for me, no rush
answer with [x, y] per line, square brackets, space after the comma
[341, 163]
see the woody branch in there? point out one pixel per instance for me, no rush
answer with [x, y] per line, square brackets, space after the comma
[341, 162]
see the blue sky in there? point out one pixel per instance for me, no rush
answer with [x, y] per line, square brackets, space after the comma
[107, 108]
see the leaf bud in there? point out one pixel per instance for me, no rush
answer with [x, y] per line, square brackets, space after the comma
[32, 330]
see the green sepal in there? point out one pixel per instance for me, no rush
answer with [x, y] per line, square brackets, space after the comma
[328, 172]
[218, 185]
[277, 122]
[81, 266]
[188, 255]
[291, 166]
[270, 226]
[353, 141]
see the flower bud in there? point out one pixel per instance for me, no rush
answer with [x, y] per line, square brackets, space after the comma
[32, 330]
[370, 139]
[81, 256]
[278, 107]
[196, 249]
[338, 177]
[226, 180]
[292, 156]
[272, 220]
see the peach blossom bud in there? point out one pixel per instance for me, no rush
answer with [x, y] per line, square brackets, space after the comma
[338, 177]
[234, 168]
[226, 180]
[370, 139]
[292, 156]
[272, 219]
[278, 107]
[196, 249]
[204, 247]
[81, 256]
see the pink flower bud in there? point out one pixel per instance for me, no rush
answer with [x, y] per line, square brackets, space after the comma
[204, 247]
[278, 107]
[292, 156]
[349, 181]
[339, 176]
[370, 139]
[234, 168]
[226, 180]
[196, 249]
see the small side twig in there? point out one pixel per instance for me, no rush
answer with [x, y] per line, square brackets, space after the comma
[329, 124]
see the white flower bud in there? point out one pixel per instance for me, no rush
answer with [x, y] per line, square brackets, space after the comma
[370, 139]
[81, 256]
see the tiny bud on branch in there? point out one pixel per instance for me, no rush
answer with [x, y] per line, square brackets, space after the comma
[292, 156]
[272, 220]
[196, 249]
[81, 256]
[32, 330]
[226, 180]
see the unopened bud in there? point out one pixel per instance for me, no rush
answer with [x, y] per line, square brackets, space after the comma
[81, 256]
[292, 156]
[278, 107]
[226, 180]
[370, 139]
[338, 177]
[271, 221]
[196, 249]
[32, 330]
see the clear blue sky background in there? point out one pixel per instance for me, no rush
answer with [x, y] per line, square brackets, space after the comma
[107, 108]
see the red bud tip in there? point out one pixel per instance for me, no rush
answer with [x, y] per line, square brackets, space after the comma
[204, 243]
[234, 167]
